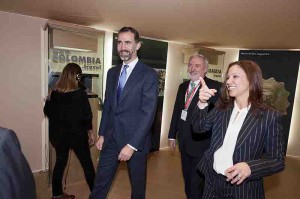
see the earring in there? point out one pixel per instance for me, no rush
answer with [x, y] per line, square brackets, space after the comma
[78, 77]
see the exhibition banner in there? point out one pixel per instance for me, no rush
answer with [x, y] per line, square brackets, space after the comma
[280, 71]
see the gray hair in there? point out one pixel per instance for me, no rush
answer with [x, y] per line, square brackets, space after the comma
[202, 57]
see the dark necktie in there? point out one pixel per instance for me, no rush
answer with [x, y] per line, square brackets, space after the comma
[122, 81]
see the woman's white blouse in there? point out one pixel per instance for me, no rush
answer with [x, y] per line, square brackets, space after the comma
[223, 156]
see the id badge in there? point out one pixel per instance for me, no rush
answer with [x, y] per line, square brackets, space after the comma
[183, 115]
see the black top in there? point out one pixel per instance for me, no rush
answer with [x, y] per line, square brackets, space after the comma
[68, 113]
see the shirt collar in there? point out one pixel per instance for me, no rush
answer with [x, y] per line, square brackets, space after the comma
[196, 82]
[246, 109]
[131, 64]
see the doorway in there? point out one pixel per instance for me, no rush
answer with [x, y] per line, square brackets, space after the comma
[69, 43]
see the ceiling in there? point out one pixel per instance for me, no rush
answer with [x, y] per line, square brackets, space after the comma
[253, 24]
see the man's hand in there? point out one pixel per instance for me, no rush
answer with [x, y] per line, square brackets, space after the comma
[172, 144]
[99, 142]
[126, 153]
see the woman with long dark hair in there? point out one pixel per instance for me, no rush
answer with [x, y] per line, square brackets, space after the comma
[70, 127]
[246, 143]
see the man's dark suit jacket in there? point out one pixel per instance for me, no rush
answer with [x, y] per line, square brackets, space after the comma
[193, 144]
[16, 179]
[259, 144]
[130, 119]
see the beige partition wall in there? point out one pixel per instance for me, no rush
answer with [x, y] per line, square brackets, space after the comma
[293, 148]
[21, 101]
[173, 79]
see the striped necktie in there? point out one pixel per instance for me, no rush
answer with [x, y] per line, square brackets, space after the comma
[191, 90]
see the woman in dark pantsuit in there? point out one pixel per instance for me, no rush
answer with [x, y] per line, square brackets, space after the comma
[246, 143]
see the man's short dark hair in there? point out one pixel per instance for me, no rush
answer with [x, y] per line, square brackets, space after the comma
[132, 30]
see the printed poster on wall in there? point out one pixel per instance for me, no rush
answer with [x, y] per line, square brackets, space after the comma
[280, 71]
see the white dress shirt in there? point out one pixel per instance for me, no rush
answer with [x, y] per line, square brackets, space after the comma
[223, 156]
[129, 70]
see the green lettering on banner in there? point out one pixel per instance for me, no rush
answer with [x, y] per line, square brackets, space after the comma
[82, 59]
[74, 59]
[62, 59]
[55, 57]
[98, 61]
[89, 60]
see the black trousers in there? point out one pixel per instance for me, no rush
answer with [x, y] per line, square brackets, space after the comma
[193, 179]
[80, 146]
[107, 168]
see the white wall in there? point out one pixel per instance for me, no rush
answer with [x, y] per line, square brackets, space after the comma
[173, 79]
[294, 136]
[231, 55]
[21, 100]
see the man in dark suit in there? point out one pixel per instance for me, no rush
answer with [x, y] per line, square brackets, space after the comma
[192, 146]
[128, 113]
[16, 179]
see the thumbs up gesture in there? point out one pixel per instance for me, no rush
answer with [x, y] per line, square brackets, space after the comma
[205, 93]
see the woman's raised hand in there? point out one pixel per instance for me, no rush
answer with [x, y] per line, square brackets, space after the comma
[205, 93]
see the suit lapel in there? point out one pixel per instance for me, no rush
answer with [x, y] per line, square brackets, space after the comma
[224, 123]
[194, 100]
[246, 129]
[115, 84]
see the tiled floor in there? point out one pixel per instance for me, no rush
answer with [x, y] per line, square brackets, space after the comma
[164, 180]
